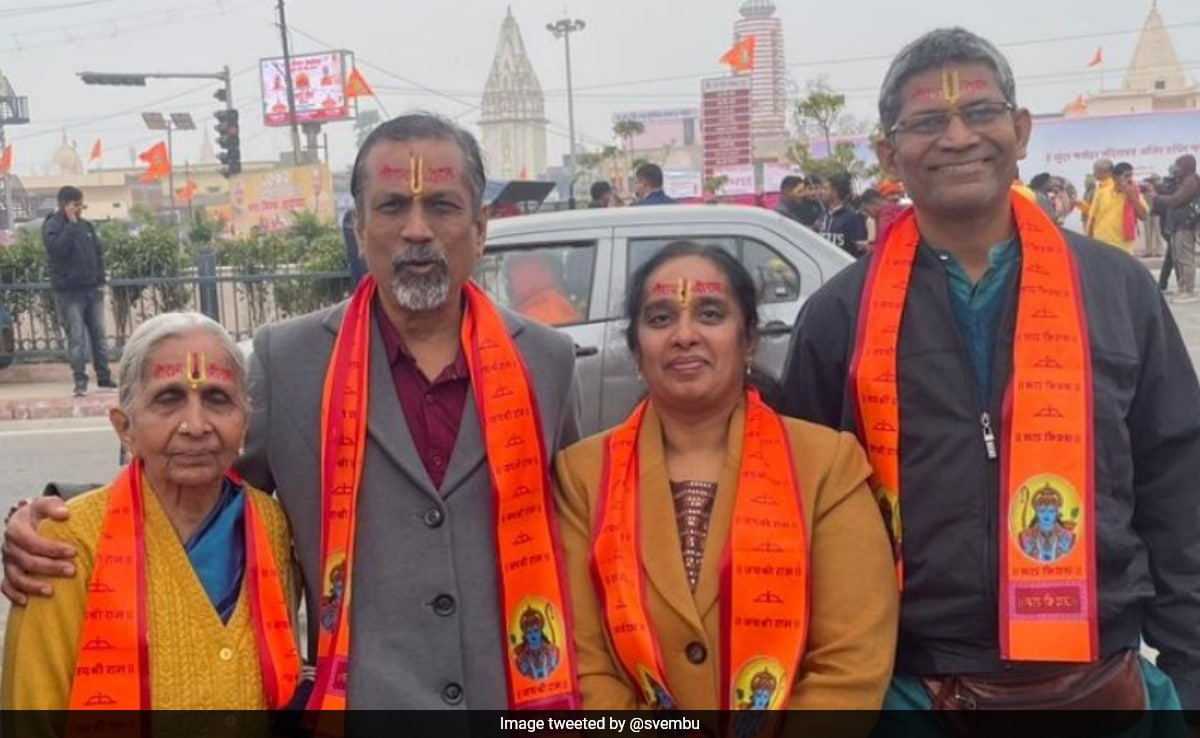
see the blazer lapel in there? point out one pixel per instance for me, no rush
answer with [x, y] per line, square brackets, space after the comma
[662, 554]
[470, 449]
[708, 587]
[386, 424]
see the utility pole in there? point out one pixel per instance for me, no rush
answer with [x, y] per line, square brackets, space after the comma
[563, 29]
[287, 77]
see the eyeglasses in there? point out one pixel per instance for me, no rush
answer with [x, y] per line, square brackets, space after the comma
[974, 116]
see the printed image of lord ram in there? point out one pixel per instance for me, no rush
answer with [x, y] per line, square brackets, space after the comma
[536, 655]
[1047, 537]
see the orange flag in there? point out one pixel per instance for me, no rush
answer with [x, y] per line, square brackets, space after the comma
[356, 86]
[158, 160]
[97, 152]
[1097, 58]
[187, 192]
[740, 57]
[6, 158]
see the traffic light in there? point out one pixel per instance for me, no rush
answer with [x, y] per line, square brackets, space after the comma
[229, 139]
[127, 80]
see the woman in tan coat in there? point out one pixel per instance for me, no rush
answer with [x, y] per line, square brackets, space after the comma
[721, 556]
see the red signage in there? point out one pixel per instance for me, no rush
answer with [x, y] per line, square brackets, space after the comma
[725, 123]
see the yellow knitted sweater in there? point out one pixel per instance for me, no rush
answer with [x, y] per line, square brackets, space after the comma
[196, 661]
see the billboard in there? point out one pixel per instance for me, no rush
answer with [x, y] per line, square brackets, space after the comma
[1151, 142]
[268, 200]
[319, 85]
[725, 124]
[663, 129]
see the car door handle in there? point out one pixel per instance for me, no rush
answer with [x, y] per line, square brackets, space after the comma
[775, 328]
[581, 351]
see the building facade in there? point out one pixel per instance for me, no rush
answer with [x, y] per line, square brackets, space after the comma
[1154, 82]
[514, 110]
[769, 93]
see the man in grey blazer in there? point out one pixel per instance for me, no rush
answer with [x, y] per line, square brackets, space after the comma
[428, 631]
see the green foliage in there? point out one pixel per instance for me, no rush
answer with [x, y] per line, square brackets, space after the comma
[148, 252]
[714, 185]
[820, 114]
[818, 111]
[25, 262]
[310, 245]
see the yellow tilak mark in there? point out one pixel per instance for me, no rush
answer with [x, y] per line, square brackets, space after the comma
[416, 166]
[951, 85]
[685, 294]
[196, 376]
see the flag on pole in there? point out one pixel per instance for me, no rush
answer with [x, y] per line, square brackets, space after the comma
[6, 159]
[356, 86]
[158, 161]
[1097, 58]
[97, 152]
[740, 57]
[188, 191]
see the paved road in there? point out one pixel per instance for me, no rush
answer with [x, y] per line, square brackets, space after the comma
[85, 450]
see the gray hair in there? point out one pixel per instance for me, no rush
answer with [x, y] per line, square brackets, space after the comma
[933, 51]
[147, 337]
[423, 126]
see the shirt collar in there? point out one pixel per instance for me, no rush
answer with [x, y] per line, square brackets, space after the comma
[998, 255]
[397, 352]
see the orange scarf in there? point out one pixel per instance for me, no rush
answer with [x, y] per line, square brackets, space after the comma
[1047, 550]
[764, 569]
[112, 671]
[541, 674]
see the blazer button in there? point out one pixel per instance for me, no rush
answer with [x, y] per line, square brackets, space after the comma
[443, 605]
[434, 517]
[696, 652]
[452, 693]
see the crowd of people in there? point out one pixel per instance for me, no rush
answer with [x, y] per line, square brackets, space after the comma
[993, 415]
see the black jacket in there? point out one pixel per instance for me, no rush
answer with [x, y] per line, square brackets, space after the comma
[1147, 457]
[76, 256]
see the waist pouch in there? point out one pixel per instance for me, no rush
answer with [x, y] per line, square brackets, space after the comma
[1113, 689]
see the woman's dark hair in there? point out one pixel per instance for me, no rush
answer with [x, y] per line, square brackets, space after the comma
[741, 284]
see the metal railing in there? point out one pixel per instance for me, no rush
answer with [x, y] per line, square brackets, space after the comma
[240, 302]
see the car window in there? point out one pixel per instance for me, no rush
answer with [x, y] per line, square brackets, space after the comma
[775, 278]
[551, 282]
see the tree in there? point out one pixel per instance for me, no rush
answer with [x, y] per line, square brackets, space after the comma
[715, 184]
[626, 130]
[364, 124]
[820, 110]
[821, 114]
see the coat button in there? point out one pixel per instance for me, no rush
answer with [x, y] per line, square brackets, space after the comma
[226, 654]
[443, 605]
[434, 517]
[452, 693]
[696, 652]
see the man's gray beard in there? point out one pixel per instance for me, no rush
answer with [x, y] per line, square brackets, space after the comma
[420, 291]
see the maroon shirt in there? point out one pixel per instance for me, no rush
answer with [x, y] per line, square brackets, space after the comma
[432, 410]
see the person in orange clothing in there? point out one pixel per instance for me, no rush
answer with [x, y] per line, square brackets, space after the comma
[535, 292]
[663, 535]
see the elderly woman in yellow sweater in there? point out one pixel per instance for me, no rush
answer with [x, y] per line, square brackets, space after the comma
[184, 599]
[721, 556]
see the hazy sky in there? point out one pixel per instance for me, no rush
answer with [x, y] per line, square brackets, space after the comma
[435, 55]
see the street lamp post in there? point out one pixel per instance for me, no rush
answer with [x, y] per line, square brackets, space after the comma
[563, 29]
[180, 122]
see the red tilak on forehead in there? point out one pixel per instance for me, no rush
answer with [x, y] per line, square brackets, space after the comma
[220, 372]
[167, 371]
[951, 87]
[438, 175]
[707, 288]
[666, 289]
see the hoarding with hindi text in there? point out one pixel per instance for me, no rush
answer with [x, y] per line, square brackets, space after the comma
[319, 86]
[268, 201]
